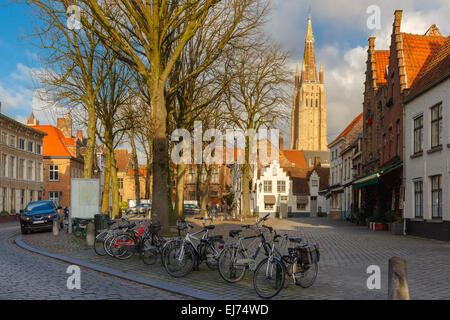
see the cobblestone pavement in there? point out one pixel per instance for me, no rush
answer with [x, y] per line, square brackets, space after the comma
[346, 253]
[28, 276]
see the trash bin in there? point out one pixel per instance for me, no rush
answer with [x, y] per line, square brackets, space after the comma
[101, 221]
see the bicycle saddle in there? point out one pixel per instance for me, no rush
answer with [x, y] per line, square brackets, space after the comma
[211, 227]
[215, 238]
[234, 233]
[110, 223]
[295, 240]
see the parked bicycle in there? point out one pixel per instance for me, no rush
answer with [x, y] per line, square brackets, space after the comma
[182, 257]
[104, 237]
[234, 261]
[301, 261]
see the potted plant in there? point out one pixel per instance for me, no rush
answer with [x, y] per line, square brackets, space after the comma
[398, 226]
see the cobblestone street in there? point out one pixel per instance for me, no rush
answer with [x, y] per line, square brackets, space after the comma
[346, 253]
[28, 276]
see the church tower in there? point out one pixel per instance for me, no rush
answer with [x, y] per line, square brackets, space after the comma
[309, 111]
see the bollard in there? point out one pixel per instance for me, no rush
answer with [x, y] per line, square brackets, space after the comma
[90, 234]
[55, 227]
[398, 279]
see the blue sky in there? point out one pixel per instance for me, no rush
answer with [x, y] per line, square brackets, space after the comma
[339, 27]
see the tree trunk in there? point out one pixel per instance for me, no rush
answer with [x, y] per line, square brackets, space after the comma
[115, 186]
[179, 200]
[90, 152]
[106, 186]
[245, 191]
[137, 186]
[160, 208]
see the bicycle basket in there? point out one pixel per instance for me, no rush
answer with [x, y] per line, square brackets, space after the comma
[309, 254]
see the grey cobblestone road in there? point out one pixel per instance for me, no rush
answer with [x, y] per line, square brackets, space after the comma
[346, 253]
[28, 276]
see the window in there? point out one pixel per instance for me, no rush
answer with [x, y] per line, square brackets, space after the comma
[267, 186]
[192, 195]
[4, 159]
[4, 138]
[436, 126]
[268, 206]
[215, 176]
[30, 146]
[281, 186]
[436, 197]
[53, 173]
[418, 134]
[120, 183]
[30, 170]
[418, 199]
[39, 149]
[12, 167]
[391, 138]
[397, 142]
[39, 172]
[54, 196]
[12, 141]
[192, 175]
[21, 169]
[301, 206]
[22, 144]
[315, 183]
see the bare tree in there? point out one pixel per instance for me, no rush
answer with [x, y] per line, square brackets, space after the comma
[256, 97]
[150, 36]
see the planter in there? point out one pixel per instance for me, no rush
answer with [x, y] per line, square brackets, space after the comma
[4, 219]
[379, 226]
[398, 229]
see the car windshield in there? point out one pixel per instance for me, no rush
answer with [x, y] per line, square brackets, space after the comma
[37, 206]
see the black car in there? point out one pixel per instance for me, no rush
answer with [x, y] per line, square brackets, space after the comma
[38, 216]
[140, 209]
[191, 209]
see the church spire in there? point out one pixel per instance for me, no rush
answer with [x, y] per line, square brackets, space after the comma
[309, 58]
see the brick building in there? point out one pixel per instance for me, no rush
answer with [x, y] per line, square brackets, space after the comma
[21, 165]
[389, 74]
[63, 159]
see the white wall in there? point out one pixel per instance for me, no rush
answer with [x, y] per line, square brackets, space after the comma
[437, 163]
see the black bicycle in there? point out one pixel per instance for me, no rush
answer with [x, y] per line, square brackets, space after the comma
[234, 261]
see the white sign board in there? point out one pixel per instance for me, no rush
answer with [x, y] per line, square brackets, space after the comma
[84, 198]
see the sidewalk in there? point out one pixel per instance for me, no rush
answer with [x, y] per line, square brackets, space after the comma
[347, 251]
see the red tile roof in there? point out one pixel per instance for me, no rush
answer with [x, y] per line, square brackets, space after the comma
[382, 60]
[351, 126]
[419, 51]
[55, 144]
[296, 157]
[438, 67]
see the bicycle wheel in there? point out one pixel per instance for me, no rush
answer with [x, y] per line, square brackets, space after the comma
[229, 268]
[179, 260]
[107, 244]
[212, 255]
[99, 247]
[269, 278]
[121, 246]
[149, 253]
[306, 274]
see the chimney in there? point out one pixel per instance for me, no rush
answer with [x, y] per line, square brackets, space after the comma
[65, 125]
[80, 135]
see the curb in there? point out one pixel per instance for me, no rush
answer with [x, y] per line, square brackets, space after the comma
[153, 283]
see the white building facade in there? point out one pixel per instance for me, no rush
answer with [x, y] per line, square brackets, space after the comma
[427, 162]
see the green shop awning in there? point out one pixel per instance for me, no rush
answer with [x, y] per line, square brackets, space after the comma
[373, 177]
